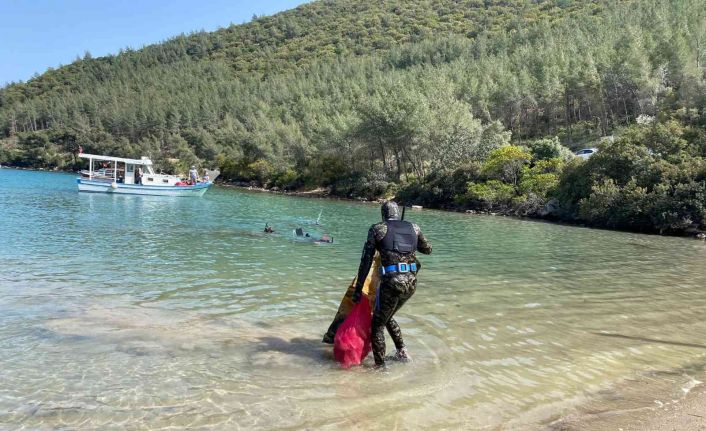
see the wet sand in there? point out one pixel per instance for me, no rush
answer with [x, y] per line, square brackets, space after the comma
[688, 415]
[632, 410]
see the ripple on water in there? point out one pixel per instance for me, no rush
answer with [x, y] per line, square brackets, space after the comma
[119, 312]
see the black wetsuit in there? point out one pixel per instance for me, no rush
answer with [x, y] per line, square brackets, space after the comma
[397, 241]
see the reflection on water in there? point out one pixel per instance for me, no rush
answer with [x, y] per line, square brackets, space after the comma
[119, 311]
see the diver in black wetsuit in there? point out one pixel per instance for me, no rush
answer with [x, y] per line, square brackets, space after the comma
[397, 241]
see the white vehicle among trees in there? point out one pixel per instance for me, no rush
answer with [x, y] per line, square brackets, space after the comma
[586, 153]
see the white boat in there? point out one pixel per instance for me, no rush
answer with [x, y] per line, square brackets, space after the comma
[124, 178]
[100, 174]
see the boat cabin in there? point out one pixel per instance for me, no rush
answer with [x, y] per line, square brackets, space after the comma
[125, 171]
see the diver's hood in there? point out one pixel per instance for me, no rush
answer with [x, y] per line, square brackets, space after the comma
[390, 211]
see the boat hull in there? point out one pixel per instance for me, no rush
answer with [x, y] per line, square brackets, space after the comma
[139, 189]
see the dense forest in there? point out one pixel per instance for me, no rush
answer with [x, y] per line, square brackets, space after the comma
[463, 104]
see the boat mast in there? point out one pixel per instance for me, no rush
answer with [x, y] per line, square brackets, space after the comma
[90, 168]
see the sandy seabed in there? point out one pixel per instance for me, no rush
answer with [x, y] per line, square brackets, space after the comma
[629, 408]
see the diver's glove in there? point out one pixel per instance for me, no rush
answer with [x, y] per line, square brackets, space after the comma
[356, 296]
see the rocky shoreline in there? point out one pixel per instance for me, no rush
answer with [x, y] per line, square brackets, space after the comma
[323, 193]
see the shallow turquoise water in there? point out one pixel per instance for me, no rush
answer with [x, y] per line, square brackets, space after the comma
[148, 312]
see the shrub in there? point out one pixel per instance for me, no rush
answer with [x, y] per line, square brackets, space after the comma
[550, 148]
[599, 206]
[490, 195]
[260, 171]
[440, 189]
[675, 209]
[326, 171]
[540, 184]
[360, 185]
[506, 163]
[652, 178]
[528, 205]
[286, 179]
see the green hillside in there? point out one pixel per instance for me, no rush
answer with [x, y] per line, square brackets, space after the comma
[325, 29]
[464, 104]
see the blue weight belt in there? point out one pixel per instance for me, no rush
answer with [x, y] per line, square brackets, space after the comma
[400, 267]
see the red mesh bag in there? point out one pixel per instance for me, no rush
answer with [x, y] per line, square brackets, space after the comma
[352, 342]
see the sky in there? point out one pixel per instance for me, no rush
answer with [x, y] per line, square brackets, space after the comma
[38, 34]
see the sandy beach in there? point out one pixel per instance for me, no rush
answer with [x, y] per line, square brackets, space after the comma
[635, 407]
[688, 415]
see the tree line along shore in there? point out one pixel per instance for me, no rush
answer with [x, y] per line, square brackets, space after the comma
[464, 105]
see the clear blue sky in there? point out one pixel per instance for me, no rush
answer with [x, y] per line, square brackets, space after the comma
[37, 34]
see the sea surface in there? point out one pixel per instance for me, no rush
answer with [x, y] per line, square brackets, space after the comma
[121, 312]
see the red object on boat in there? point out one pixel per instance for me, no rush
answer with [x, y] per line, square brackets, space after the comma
[352, 342]
[181, 184]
